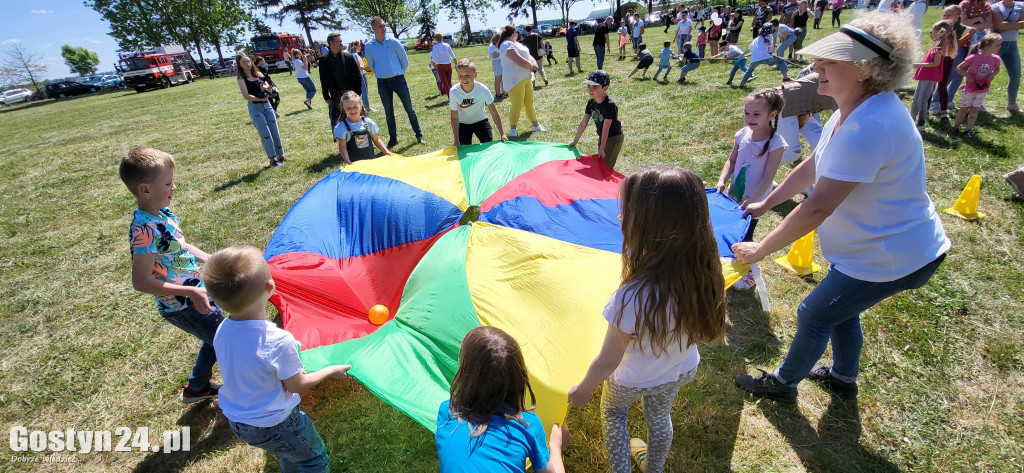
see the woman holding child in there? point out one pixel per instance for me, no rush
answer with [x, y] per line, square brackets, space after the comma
[256, 90]
[876, 223]
[517, 74]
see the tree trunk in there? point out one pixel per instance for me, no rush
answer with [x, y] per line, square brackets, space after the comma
[533, 9]
[305, 26]
[465, 19]
[200, 51]
[220, 55]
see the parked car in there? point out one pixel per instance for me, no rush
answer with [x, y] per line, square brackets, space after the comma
[405, 43]
[14, 96]
[481, 36]
[587, 26]
[547, 30]
[227, 68]
[112, 81]
[424, 44]
[68, 88]
[451, 40]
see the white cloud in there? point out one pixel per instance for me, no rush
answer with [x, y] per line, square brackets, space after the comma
[41, 12]
[11, 41]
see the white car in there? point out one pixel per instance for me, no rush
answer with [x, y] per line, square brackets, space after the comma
[15, 95]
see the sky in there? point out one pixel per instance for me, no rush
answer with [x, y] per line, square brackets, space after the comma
[43, 26]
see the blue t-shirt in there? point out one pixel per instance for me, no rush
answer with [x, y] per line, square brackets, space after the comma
[503, 447]
[570, 38]
[666, 57]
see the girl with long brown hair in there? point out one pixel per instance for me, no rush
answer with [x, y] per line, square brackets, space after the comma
[256, 90]
[671, 298]
[486, 425]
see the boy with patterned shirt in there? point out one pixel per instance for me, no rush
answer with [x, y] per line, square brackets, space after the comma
[164, 265]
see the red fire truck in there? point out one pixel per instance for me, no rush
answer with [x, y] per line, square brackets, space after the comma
[160, 66]
[273, 46]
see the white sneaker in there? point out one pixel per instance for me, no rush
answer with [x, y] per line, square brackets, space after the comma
[512, 133]
[745, 283]
[539, 129]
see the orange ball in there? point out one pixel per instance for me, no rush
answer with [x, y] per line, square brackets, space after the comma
[378, 314]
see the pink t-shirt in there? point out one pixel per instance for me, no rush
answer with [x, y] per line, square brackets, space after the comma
[980, 72]
[933, 73]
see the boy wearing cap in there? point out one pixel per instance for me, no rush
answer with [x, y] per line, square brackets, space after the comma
[606, 118]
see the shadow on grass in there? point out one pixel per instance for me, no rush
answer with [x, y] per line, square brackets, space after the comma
[749, 332]
[785, 208]
[204, 420]
[835, 445]
[246, 179]
[296, 112]
[331, 162]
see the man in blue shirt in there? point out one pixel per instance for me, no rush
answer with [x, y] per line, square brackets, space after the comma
[387, 59]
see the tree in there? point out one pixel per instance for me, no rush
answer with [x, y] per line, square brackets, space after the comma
[564, 6]
[135, 24]
[466, 9]
[400, 15]
[80, 60]
[519, 7]
[22, 64]
[315, 13]
[427, 21]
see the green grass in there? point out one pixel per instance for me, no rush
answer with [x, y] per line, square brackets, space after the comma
[941, 387]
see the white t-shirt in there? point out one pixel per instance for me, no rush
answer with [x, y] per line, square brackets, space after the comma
[640, 368]
[887, 227]
[299, 73]
[513, 73]
[916, 14]
[760, 49]
[685, 26]
[255, 357]
[734, 52]
[749, 157]
[495, 63]
[472, 105]
[442, 53]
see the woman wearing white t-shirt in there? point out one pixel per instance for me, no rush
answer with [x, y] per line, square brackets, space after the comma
[517, 71]
[495, 56]
[876, 223]
[302, 75]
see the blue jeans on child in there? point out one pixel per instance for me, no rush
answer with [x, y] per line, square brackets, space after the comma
[832, 312]
[689, 67]
[667, 69]
[203, 327]
[784, 45]
[772, 61]
[295, 441]
[307, 85]
[737, 65]
[265, 121]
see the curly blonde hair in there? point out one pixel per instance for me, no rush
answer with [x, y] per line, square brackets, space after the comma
[885, 75]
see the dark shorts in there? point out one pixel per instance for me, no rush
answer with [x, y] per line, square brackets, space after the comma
[482, 130]
[573, 52]
[645, 62]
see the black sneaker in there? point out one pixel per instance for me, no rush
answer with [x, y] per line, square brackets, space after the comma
[767, 386]
[823, 376]
[392, 143]
[189, 396]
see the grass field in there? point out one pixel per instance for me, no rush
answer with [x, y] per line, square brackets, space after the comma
[941, 384]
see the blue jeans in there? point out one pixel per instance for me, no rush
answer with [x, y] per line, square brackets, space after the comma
[599, 52]
[737, 65]
[203, 327]
[1010, 55]
[366, 95]
[295, 441]
[832, 312]
[772, 61]
[689, 67]
[784, 45]
[665, 68]
[307, 84]
[387, 88]
[265, 121]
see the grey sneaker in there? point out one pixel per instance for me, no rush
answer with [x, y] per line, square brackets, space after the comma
[767, 386]
[823, 376]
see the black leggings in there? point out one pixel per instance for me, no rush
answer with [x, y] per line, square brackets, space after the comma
[836, 22]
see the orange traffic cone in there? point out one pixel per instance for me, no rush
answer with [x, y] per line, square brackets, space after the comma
[966, 207]
[800, 259]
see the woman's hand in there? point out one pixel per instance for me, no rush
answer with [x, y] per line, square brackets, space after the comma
[580, 397]
[747, 252]
[720, 187]
[755, 210]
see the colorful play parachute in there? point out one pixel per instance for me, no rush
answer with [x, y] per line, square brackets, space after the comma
[539, 262]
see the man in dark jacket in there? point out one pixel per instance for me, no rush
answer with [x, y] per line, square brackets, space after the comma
[338, 73]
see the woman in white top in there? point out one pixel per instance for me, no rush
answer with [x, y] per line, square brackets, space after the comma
[441, 56]
[495, 56]
[517, 71]
[302, 75]
[356, 48]
[876, 223]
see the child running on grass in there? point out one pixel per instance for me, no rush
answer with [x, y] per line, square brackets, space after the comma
[164, 265]
[756, 154]
[260, 365]
[670, 299]
[605, 113]
[356, 131]
[690, 61]
[665, 60]
[467, 102]
[929, 71]
[485, 425]
[978, 70]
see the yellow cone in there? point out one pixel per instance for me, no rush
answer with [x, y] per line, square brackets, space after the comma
[800, 259]
[966, 207]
